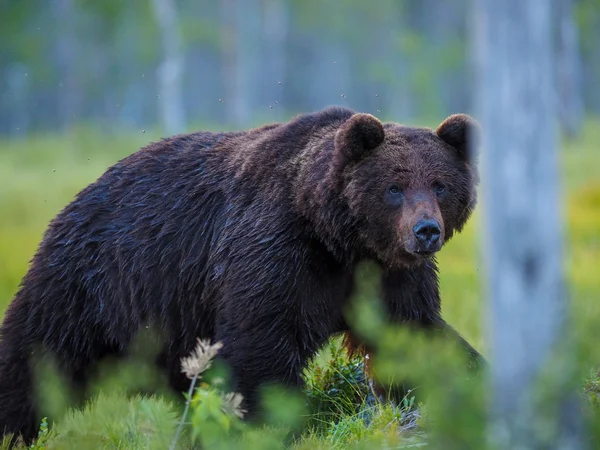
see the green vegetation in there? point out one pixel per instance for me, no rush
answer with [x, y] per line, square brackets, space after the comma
[39, 176]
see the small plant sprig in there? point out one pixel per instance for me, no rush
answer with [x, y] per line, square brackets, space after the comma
[211, 408]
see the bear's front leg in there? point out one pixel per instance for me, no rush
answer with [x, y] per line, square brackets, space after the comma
[476, 361]
[259, 353]
[272, 317]
[412, 297]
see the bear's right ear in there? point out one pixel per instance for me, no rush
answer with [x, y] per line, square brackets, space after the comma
[463, 133]
[358, 136]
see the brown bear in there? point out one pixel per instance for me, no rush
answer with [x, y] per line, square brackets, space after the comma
[249, 238]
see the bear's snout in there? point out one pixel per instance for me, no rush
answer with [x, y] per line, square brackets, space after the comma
[427, 233]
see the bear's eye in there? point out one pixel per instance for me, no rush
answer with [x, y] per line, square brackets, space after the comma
[439, 189]
[394, 195]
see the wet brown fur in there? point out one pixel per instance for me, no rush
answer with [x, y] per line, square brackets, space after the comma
[246, 237]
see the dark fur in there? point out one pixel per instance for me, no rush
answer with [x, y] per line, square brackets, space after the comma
[248, 237]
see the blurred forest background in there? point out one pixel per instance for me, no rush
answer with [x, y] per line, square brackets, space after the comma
[179, 63]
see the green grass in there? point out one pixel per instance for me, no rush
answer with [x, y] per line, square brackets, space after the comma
[40, 175]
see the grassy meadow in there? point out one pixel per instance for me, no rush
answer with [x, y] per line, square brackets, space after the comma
[39, 175]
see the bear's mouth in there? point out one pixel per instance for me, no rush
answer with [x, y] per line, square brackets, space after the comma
[424, 253]
[411, 258]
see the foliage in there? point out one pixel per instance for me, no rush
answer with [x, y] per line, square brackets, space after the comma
[336, 387]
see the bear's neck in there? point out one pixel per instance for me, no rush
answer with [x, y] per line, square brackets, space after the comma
[320, 200]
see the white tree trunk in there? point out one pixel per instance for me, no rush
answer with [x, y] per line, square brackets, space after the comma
[170, 73]
[241, 58]
[275, 32]
[18, 87]
[66, 58]
[516, 104]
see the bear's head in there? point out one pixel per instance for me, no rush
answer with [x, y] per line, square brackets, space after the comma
[408, 189]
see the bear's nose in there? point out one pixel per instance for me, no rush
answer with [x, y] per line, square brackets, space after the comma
[427, 231]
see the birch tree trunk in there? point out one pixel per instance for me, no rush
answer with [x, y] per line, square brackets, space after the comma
[69, 99]
[241, 58]
[170, 73]
[276, 29]
[516, 105]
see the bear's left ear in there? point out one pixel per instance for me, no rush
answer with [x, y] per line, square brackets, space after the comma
[463, 133]
[358, 136]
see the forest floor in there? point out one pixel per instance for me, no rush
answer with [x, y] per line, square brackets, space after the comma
[41, 174]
